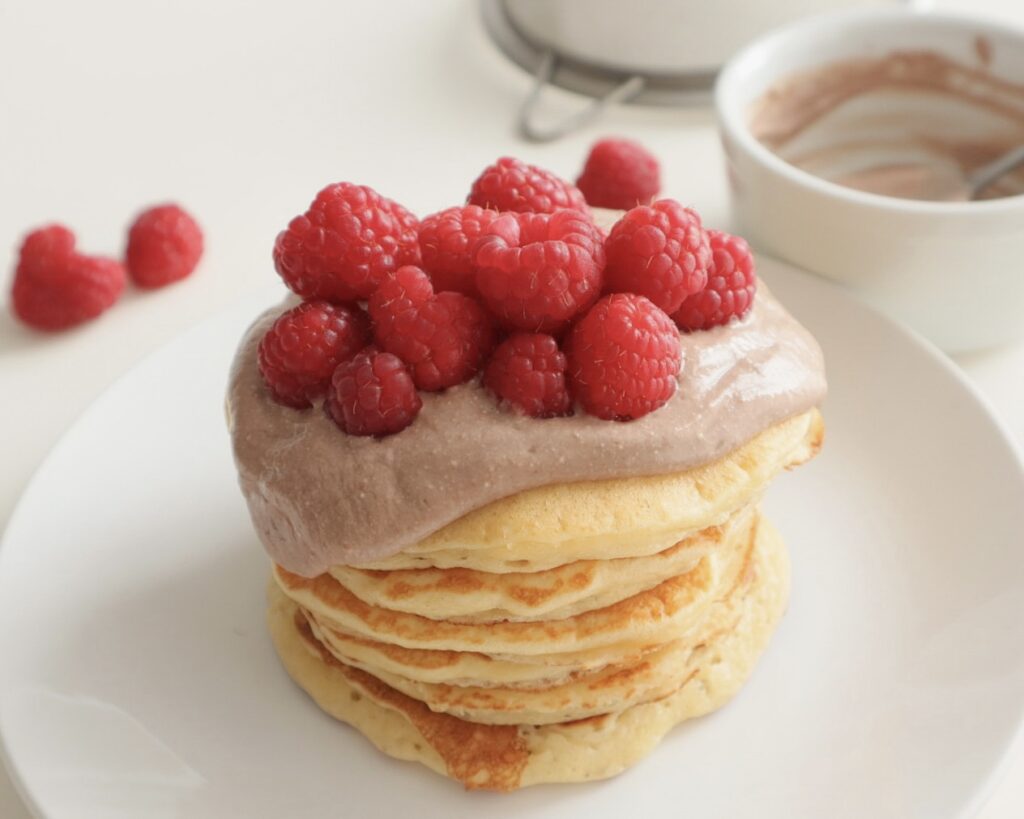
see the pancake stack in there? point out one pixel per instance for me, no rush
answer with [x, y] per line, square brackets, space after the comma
[532, 569]
[554, 635]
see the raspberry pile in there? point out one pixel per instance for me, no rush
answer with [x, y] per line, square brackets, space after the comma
[518, 290]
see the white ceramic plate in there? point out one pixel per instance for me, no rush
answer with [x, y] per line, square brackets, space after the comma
[136, 678]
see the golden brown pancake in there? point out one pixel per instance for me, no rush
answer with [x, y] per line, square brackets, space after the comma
[664, 612]
[506, 757]
[555, 635]
[472, 596]
[582, 694]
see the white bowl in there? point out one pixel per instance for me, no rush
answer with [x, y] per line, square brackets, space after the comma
[951, 270]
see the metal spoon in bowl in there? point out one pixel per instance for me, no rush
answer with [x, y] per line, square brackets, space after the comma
[987, 174]
[929, 179]
[940, 182]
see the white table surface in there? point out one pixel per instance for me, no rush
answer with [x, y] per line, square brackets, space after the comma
[242, 111]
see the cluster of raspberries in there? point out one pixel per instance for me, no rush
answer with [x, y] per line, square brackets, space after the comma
[518, 286]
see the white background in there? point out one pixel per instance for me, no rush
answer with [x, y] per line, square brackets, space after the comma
[242, 111]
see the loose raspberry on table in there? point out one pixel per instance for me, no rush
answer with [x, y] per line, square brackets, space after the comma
[660, 251]
[513, 185]
[373, 394]
[527, 371]
[538, 271]
[619, 173]
[345, 244]
[46, 247]
[729, 292]
[446, 244]
[303, 347]
[164, 246]
[442, 337]
[55, 287]
[624, 356]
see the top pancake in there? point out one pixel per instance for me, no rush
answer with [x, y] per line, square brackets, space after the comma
[555, 525]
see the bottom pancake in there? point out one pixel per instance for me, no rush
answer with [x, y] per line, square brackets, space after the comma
[506, 757]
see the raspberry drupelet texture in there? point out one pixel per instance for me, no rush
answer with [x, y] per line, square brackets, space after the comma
[46, 247]
[527, 372]
[372, 394]
[55, 287]
[442, 337]
[619, 173]
[536, 271]
[730, 289]
[303, 347]
[513, 185]
[345, 244]
[624, 357]
[446, 242]
[660, 251]
[164, 246]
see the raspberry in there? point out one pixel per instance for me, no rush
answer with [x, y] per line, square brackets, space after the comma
[55, 287]
[730, 289]
[527, 371]
[442, 337]
[624, 356]
[373, 394]
[446, 242]
[345, 244]
[659, 251]
[301, 350]
[619, 174]
[511, 184]
[46, 247]
[164, 246]
[537, 271]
